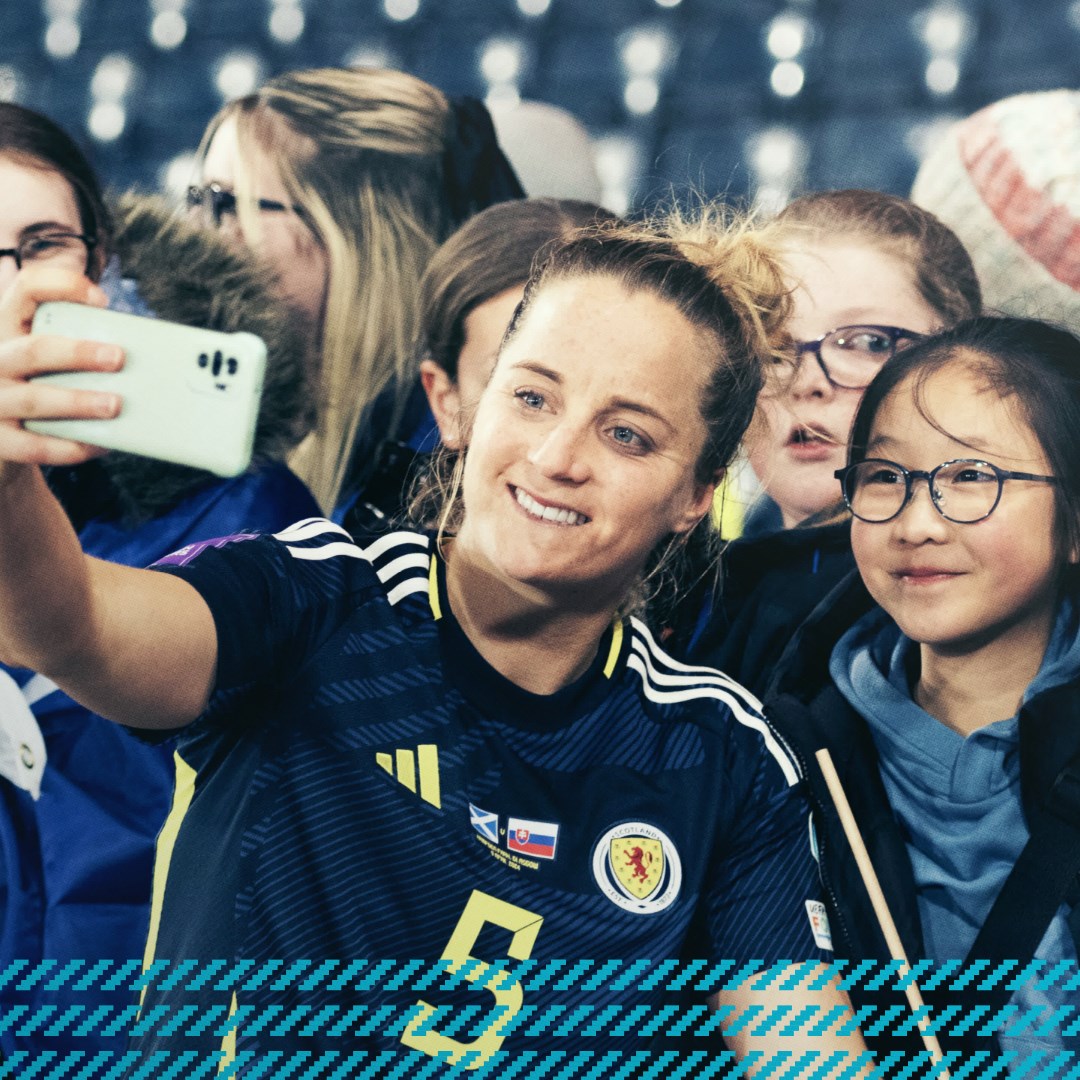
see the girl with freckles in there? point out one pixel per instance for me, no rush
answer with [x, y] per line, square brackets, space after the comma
[945, 676]
[460, 743]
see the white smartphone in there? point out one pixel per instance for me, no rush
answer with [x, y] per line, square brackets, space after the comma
[190, 396]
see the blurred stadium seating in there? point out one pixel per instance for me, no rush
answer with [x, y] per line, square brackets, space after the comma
[752, 98]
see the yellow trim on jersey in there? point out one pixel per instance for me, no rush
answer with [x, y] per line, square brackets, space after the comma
[436, 611]
[433, 587]
[183, 791]
[228, 1042]
[616, 648]
[729, 507]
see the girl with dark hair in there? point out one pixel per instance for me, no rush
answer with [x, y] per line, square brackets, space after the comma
[455, 743]
[46, 174]
[81, 800]
[945, 676]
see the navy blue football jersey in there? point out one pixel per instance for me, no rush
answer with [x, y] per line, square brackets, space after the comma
[365, 785]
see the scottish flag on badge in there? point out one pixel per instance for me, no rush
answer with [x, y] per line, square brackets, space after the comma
[487, 825]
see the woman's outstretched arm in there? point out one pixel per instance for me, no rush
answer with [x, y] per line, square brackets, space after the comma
[135, 646]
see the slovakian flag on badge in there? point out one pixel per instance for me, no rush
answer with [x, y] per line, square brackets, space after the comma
[536, 838]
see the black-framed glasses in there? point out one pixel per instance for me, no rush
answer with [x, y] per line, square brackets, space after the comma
[965, 490]
[850, 356]
[50, 244]
[216, 201]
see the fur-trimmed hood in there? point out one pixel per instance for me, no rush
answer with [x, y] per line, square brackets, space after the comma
[189, 275]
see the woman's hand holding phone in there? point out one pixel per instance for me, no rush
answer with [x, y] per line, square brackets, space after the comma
[24, 355]
[136, 646]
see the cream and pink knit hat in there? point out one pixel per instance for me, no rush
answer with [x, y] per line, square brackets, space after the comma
[1007, 181]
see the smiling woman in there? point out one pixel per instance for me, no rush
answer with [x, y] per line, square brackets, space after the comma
[372, 712]
[595, 462]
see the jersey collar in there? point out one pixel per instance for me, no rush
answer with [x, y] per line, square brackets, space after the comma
[492, 692]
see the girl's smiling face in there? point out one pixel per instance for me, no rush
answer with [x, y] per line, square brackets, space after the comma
[955, 588]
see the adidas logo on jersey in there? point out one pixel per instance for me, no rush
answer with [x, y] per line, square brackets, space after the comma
[417, 770]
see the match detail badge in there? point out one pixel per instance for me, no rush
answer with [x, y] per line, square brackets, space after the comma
[819, 924]
[637, 867]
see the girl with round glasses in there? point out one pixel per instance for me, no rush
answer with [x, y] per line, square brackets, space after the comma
[871, 273]
[945, 676]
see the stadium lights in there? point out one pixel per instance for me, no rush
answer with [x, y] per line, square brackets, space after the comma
[168, 30]
[642, 94]
[371, 55]
[61, 9]
[787, 35]
[107, 120]
[11, 83]
[113, 77]
[502, 60]
[945, 29]
[618, 163]
[777, 158]
[110, 86]
[942, 75]
[286, 23]
[62, 38]
[169, 26]
[787, 79]
[401, 10]
[776, 153]
[646, 51]
[533, 8]
[237, 74]
[175, 175]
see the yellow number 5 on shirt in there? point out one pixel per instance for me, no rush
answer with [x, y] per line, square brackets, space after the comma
[524, 926]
